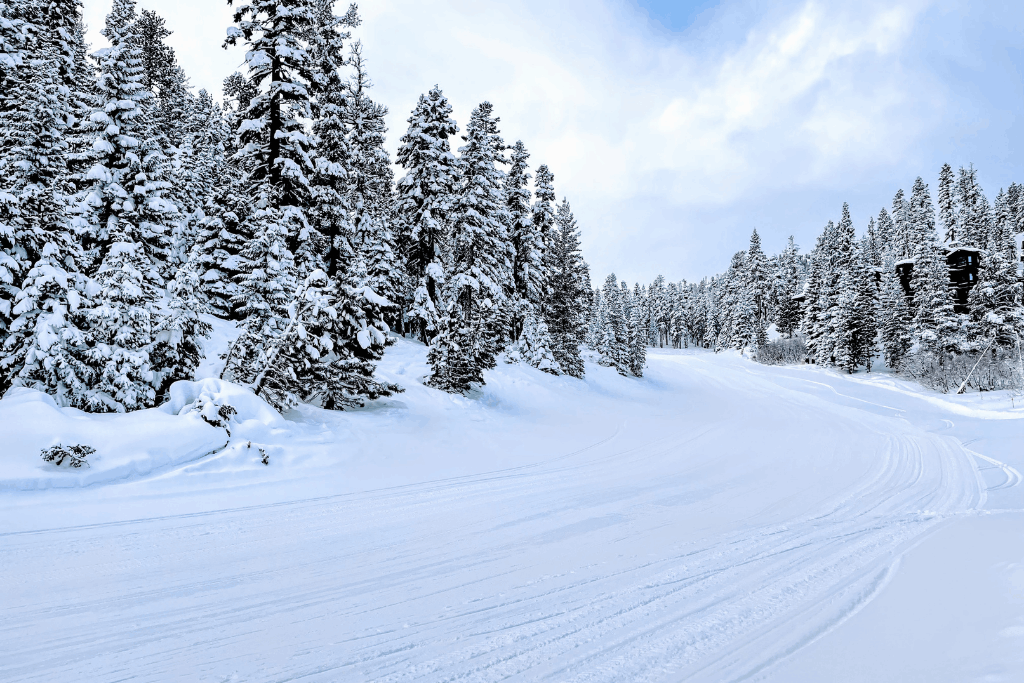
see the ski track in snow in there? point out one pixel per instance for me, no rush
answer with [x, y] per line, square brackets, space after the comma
[650, 554]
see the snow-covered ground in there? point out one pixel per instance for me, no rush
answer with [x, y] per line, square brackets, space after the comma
[715, 521]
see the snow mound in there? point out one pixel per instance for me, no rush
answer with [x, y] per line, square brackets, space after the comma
[127, 445]
[205, 396]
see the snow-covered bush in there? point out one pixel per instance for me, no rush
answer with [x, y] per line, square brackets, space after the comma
[991, 371]
[782, 351]
[71, 456]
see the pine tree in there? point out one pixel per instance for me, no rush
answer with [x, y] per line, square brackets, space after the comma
[895, 320]
[570, 294]
[481, 268]
[935, 326]
[974, 212]
[636, 334]
[543, 225]
[756, 270]
[612, 342]
[534, 345]
[275, 145]
[124, 214]
[855, 327]
[787, 319]
[884, 230]
[947, 203]
[901, 238]
[425, 202]
[995, 302]
[526, 266]
[370, 183]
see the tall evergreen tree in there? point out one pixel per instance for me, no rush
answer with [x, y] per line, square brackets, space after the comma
[570, 294]
[612, 337]
[543, 226]
[526, 247]
[425, 203]
[787, 281]
[481, 269]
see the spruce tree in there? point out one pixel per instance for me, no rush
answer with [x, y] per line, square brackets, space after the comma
[612, 340]
[935, 328]
[947, 203]
[481, 268]
[636, 334]
[570, 294]
[526, 247]
[995, 302]
[787, 280]
[125, 215]
[534, 345]
[425, 202]
[543, 226]
[895, 320]
[370, 186]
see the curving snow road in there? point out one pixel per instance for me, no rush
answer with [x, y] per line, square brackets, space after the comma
[702, 524]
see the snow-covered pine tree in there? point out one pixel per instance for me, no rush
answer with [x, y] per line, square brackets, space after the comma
[974, 217]
[895, 319]
[543, 217]
[757, 280]
[569, 299]
[636, 333]
[425, 201]
[884, 235]
[613, 341]
[816, 301]
[995, 302]
[854, 314]
[526, 265]
[38, 255]
[534, 345]
[481, 268]
[164, 78]
[787, 316]
[947, 203]
[370, 187]
[283, 250]
[872, 248]
[936, 328]
[124, 215]
[901, 240]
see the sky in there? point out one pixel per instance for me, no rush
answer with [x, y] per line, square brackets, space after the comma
[677, 128]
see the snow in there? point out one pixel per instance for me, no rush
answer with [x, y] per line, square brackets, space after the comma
[127, 446]
[716, 520]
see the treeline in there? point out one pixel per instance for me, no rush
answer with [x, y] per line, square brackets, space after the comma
[130, 206]
[844, 304]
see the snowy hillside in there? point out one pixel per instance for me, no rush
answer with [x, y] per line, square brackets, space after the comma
[716, 520]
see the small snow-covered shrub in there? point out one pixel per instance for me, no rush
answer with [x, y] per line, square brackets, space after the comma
[782, 352]
[71, 456]
[997, 369]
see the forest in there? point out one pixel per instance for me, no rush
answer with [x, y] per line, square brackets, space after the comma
[133, 209]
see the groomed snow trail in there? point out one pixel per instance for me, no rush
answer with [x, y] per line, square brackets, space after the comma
[701, 524]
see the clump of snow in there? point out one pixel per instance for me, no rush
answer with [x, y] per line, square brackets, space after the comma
[206, 396]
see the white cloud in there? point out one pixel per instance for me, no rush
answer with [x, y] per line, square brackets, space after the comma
[670, 147]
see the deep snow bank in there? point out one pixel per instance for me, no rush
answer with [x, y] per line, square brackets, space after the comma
[128, 445]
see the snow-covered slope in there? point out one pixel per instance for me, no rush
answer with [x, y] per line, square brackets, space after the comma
[704, 523]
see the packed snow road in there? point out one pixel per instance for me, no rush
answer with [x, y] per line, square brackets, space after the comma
[703, 524]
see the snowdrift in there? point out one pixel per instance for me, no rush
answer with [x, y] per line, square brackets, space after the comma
[127, 446]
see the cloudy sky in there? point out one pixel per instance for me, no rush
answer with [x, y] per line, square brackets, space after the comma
[675, 128]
